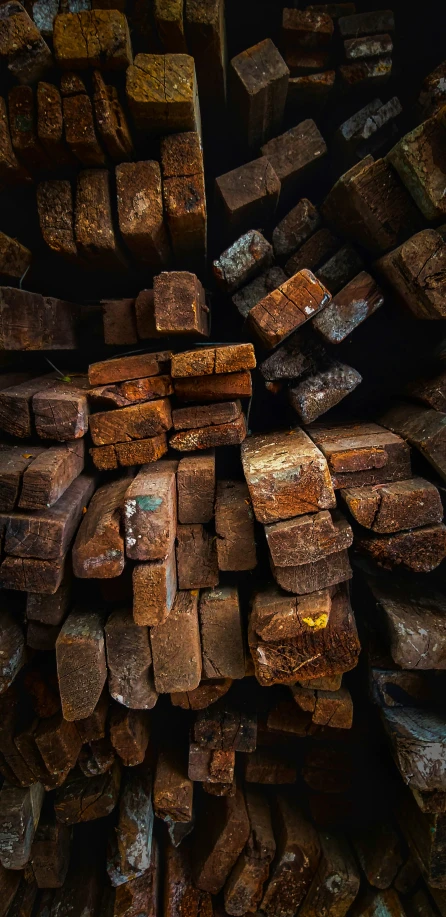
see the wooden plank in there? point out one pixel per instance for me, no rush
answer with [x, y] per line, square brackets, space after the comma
[47, 534]
[172, 788]
[196, 488]
[244, 888]
[140, 895]
[209, 437]
[22, 123]
[13, 462]
[393, 507]
[140, 421]
[257, 289]
[221, 633]
[83, 799]
[31, 575]
[169, 23]
[11, 172]
[305, 578]
[205, 415]
[61, 410]
[96, 39]
[234, 527]
[359, 454]
[308, 538]
[93, 221]
[50, 852]
[317, 394]
[138, 452]
[248, 196]
[211, 767]
[129, 662]
[229, 358]
[302, 352]
[122, 369]
[206, 38]
[145, 315]
[410, 271]
[196, 554]
[29, 321]
[181, 891]
[295, 154]
[81, 663]
[59, 744]
[15, 258]
[168, 110]
[180, 304]
[242, 261]
[184, 197]
[176, 648]
[140, 213]
[219, 387]
[56, 217]
[294, 492]
[336, 882]
[298, 852]
[206, 694]
[259, 83]
[119, 320]
[16, 414]
[154, 590]
[424, 429]
[129, 734]
[430, 392]
[19, 816]
[22, 47]
[366, 74]
[223, 727]
[111, 121]
[349, 308]
[150, 515]
[287, 308]
[130, 850]
[98, 551]
[314, 252]
[419, 160]
[50, 474]
[80, 130]
[219, 838]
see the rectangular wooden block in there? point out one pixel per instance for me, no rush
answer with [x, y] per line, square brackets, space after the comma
[234, 526]
[417, 550]
[298, 853]
[292, 231]
[287, 308]
[80, 133]
[30, 575]
[196, 554]
[359, 454]
[422, 428]
[242, 261]
[295, 155]
[61, 410]
[140, 213]
[207, 766]
[123, 369]
[176, 648]
[93, 222]
[259, 78]
[140, 421]
[180, 304]
[185, 197]
[420, 162]
[244, 887]
[172, 790]
[248, 196]
[98, 551]
[314, 395]
[308, 538]
[393, 507]
[118, 317]
[19, 816]
[92, 38]
[410, 270]
[154, 590]
[81, 664]
[221, 633]
[48, 476]
[211, 436]
[138, 452]
[111, 120]
[56, 217]
[129, 661]
[348, 308]
[287, 475]
[162, 93]
[196, 488]
[319, 574]
[150, 515]
[219, 839]
[205, 415]
[205, 361]
[29, 321]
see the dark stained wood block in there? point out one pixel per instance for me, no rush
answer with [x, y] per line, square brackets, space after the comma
[269, 767]
[337, 879]
[244, 888]
[162, 93]
[28, 574]
[196, 554]
[50, 474]
[206, 361]
[140, 895]
[368, 46]
[93, 727]
[414, 273]
[419, 550]
[119, 320]
[308, 538]
[248, 196]
[11, 172]
[196, 488]
[298, 853]
[206, 694]
[129, 734]
[50, 853]
[221, 633]
[96, 39]
[96, 758]
[420, 162]
[140, 421]
[349, 308]
[13, 649]
[176, 648]
[140, 213]
[19, 816]
[301, 353]
[294, 492]
[369, 130]
[81, 663]
[22, 47]
[111, 121]
[219, 387]
[367, 23]
[131, 844]
[12, 466]
[83, 799]
[93, 223]
[29, 321]
[287, 308]
[366, 74]
[172, 789]
[206, 39]
[316, 394]
[16, 413]
[211, 436]
[234, 526]
[56, 217]
[59, 744]
[211, 767]
[129, 661]
[169, 22]
[15, 258]
[295, 154]
[80, 132]
[392, 507]
[154, 590]
[61, 410]
[23, 127]
[138, 452]
[242, 261]
[257, 289]
[150, 511]
[308, 28]
[379, 852]
[314, 252]
[180, 304]
[223, 727]
[306, 578]
[340, 268]
[259, 86]
[184, 197]
[359, 454]
[219, 838]
[205, 415]
[123, 369]
[98, 551]
[310, 89]
[430, 392]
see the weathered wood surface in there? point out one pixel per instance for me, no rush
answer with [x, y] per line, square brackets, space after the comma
[295, 155]
[349, 308]
[206, 38]
[378, 849]
[292, 231]
[316, 394]
[324, 639]
[196, 553]
[81, 663]
[297, 858]
[129, 662]
[140, 895]
[244, 887]
[123, 369]
[308, 538]
[248, 196]
[97, 39]
[93, 221]
[221, 631]
[140, 421]
[111, 120]
[414, 271]
[130, 850]
[79, 125]
[22, 47]
[140, 213]
[172, 109]
[219, 838]
[211, 768]
[305, 578]
[259, 83]
[176, 648]
[223, 727]
[172, 789]
[304, 484]
[56, 217]
[50, 853]
[184, 197]
[430, 392]
[205, 361]
[129, 734]
[257, 289]
[13, 654]
[98, 551]
[206, 694]
[396, 506]
[196, 488]
[180, 304]
[287, 308]
[420, 162]
[336, 881]
[19, 816]
[422, 428]
[16, 404]
[15, 258]
[234, 527]
[302, 352]
[242, 261]
[150, 510]
[218, 387]
[83, 799]
[22, 123]
[364, 453]
[29, 321]
[154, 590]
[137, 452]
[211, 436]
[181, 892]
[61, 410]
[205, 415]
[50, 474]
[314, 252]
[28, 574]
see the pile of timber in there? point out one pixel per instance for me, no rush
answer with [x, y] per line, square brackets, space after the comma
[222, 547]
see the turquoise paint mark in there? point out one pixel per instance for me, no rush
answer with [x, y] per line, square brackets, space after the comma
[150, 504]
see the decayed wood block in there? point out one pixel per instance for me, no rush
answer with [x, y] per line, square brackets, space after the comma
[244, 887]
[111, 120]
[176, 648]
[196, 554]
[29, 321]
[119, 320]
[415, 273]
[242, 261]
[140, 421]
[430, 392]
[61, 410]
[31, 575]
[219, 838]
[257, 289]
[301, 353]
[417, 742]
[56, 217]
[211, 767]
[129, 734]
[15, 258]
[27, 55]
[206, 38]
[379, 852]
[326, 643]
[131, 843]
[98, 39]
[172, 789]
[93, 224]
[140, 213]
[13, 649]
[96, 758]
[295, 228]
[98, 551]
[223, 727]
[305, 578]
[185, 197]
[140, 896]
[372, 127]
[392, 507]
[221, 633]
[219, 387]
[297, 858]
[50, 609]
[269, 767]
[122, 369]
[93, 727]
[248, 196]
[129, 662]
[259, 88]
[316, 394]
[229, 358]
[304, 484]
[418, 550]
[138, 452]
[359, 454]
[210, 436]
[422, 428]
[19, 816]
[154, 590]
[80, 133]
[419, 160]
[47, 477]
[370, 205]
[150, 515]
[11, 172]
[16, 415]
[207, 693]
[367, 73]
[287, 308]
[336, 882]
[50, 853]
[12, 465]
[308, 538]
[234, 526]
[196, 488]
[180, 304]
[348, 308]
[314, 252]
[59, 744]
[295, 155]
[411, 615]
[205, 415]
[180, 889]
[83, 799]
[162, 93]
[81, 664]
[169, 22]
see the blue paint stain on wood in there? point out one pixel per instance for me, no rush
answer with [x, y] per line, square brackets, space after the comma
[149, 504]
